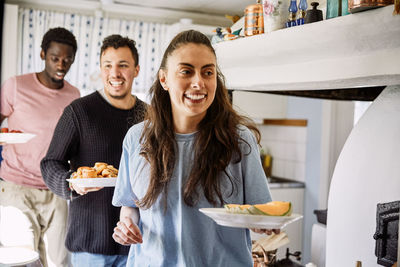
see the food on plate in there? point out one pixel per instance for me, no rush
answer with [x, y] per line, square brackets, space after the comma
[6, 130]
[100, 166]
[237, 208]
[273, 208]
[87, 172]
[100, 170]
[110, 171]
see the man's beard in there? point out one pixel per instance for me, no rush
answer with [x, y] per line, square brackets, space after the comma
[54, 80]
[118, 96]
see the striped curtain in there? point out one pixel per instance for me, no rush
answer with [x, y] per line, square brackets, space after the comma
[151, 40]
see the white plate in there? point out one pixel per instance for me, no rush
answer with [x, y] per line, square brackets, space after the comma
[222, 217]
[13, 256]
[94, 182]
[15, 138]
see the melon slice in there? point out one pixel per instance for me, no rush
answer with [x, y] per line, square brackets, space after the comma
[273, 208]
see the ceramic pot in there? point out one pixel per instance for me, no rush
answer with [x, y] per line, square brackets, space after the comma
[275, 14]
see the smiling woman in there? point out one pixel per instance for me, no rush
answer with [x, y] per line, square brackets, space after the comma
[191, 86]
[193, 152]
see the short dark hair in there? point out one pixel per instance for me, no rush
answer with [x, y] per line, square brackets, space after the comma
[117, 41]
[59, 35]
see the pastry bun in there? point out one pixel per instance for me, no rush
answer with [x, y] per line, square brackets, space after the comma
[100, 169]
[111, 168]
[87, 172]
[110, 171]
[100, 166]
[106, 173]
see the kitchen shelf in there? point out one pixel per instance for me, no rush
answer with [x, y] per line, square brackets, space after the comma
[285, 122]
[354, 51]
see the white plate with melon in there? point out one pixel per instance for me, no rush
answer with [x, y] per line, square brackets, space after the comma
[271, 215]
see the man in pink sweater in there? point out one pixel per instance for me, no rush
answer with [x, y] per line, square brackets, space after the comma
[31, 215]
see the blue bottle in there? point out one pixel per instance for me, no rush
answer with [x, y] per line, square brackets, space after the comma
[292, 14]
[302, 12]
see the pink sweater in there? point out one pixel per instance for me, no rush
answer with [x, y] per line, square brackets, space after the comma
[31, 108]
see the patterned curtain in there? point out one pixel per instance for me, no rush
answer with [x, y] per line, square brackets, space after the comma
[151, 40]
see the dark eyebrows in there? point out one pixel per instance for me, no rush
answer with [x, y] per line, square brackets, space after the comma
[57, 55]
[119, 62]
[190, 65]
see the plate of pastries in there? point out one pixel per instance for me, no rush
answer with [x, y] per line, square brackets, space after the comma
[100, 175]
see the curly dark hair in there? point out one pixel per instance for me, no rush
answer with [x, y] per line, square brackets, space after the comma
[117, 41]
[217, 141]
[59, 35]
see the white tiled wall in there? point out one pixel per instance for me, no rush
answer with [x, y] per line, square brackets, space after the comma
[287, 146]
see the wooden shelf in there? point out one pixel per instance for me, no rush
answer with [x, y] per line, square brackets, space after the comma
[285, 122]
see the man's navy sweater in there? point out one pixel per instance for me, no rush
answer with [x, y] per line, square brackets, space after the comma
[90, 130]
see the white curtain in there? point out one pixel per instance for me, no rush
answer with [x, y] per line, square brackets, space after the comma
[151, 40]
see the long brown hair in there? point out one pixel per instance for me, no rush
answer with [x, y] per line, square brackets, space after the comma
[216, 143]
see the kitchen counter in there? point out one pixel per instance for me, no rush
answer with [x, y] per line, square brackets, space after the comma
[277, 182]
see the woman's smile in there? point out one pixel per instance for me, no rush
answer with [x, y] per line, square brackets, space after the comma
[190, 77]
[195, 98]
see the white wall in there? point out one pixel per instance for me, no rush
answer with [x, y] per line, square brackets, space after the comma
[9, 45]
[287, 146]
[310, 109]
[260, 105]
[337, 123]
[329, 123]
[367, 173]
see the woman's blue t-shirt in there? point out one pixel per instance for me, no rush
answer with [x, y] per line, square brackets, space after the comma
[181, 235]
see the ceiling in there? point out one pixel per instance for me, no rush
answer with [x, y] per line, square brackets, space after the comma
[213, 7]
[207, 12]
